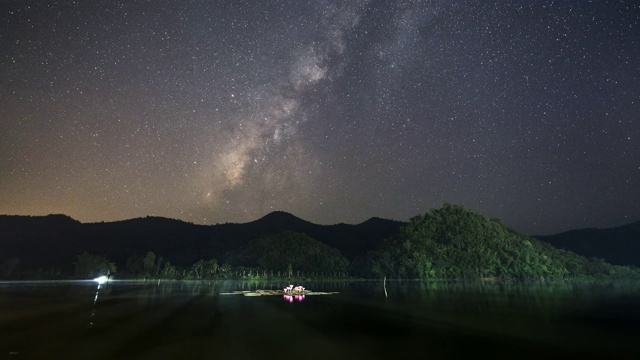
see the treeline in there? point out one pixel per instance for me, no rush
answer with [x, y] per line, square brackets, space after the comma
[451, 242]
[285, 255]
[455, 242]
[290, 250]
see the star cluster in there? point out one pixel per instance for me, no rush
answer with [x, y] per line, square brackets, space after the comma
[336, 111]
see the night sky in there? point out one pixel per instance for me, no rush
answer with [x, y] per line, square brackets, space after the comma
[223, 111]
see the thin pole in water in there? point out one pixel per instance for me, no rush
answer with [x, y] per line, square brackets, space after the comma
[384, 285]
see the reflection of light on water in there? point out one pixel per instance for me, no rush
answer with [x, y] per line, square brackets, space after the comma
[291, 298]
[101, 281]
[91, 317]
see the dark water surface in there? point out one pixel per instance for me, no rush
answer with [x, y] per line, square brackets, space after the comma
[177, 320]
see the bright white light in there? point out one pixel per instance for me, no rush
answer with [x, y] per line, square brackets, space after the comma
[101, 280]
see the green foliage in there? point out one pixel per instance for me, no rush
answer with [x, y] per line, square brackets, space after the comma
[290, 252]
[455, 242]
[224, 271]
[92, 266]
[169, 271]
[209, 269]
[149, 264]
[362, 266]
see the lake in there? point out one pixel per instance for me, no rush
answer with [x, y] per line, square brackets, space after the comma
[205, 320]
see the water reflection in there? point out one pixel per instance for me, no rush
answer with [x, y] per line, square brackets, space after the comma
[93, 309]
[551, 312]
[135, 317]
[291, 298]
[417, 298]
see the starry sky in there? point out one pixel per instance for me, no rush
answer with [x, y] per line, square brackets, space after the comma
[335, 111]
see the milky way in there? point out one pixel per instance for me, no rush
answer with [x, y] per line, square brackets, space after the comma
[215, 112]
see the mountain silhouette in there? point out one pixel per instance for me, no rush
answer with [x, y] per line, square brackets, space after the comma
[47, 241]
[619, 245]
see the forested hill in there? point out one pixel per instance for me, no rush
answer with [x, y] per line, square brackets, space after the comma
[619, 245]
[455, 242]
[45, 241]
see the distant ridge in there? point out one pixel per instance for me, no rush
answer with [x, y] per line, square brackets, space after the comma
[48, 240]
[619, 245]
[279, 216]
[45, 241]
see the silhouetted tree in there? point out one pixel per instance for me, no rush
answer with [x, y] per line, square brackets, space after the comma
[87, 265]
[169, 270]
[198, 269]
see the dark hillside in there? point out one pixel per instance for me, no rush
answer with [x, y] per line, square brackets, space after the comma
[46, 241]
[620, 245]
[455, 242]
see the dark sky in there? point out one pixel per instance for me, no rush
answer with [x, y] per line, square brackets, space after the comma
[335, 111]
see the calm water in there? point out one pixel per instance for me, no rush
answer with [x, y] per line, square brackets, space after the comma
[173, 320]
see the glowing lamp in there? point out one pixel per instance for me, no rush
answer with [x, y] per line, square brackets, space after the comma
[101, 279]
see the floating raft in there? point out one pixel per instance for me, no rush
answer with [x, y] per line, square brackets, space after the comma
[277, 292]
